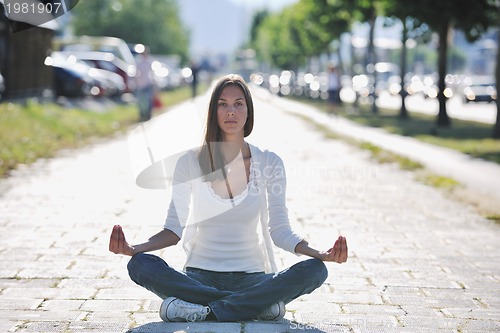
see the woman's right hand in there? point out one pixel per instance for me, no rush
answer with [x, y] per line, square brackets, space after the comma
[118, 244]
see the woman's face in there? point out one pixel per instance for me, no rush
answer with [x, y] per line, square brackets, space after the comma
[232, 111]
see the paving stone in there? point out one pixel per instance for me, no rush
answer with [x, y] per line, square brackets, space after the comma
[50, 293]
[400, 330]
[161, 327]
[125, 293]
[44, 271]
[420, 311]
[372, 309]
[106, 305]
[26, 284]
[62, 304]
[97, 326]
[348, 320]
[482, 325]
[45, 327]
[40, 315]
[304, 306]
[31, 314]
[430, 323]
[97, 283]
[289, 327]
[19, 303]
[476, 313]
[9, 325]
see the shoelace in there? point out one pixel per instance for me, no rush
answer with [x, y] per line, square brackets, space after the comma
[270, 313]
[197, 316]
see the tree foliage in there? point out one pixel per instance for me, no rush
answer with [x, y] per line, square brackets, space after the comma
[307, 28]
[319, 23]
[472, 17]
[155, 23]
[395, 10]
[277, 41]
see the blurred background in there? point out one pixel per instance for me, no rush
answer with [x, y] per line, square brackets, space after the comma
[286, 45]
[438, 55]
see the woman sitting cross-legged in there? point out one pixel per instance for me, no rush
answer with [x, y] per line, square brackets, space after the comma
[229, 206]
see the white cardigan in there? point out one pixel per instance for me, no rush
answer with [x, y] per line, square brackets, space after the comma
[270, 175]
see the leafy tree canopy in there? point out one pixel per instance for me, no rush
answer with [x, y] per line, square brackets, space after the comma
[155, 23]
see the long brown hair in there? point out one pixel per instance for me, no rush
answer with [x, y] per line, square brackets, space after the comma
[210, 156]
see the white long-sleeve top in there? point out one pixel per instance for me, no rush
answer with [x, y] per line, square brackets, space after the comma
[223, 236]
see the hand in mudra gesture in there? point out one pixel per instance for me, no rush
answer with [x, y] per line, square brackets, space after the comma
[338, 253]
[118, 244]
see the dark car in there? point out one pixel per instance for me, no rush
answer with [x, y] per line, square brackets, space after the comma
[480, 89]
[106, 61]
[71, 79]
[74, 78]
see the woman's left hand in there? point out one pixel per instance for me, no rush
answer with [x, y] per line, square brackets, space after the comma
[338, 253]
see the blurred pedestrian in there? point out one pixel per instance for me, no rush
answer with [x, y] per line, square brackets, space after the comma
[228, 205]
[195, 70]
[145, 85]
[334, 87]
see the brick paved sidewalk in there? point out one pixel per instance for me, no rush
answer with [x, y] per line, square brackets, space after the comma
[419, 262]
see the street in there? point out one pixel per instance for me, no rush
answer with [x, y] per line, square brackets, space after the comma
[418, 261]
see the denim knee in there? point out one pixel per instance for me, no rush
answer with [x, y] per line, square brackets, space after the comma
[137, 265]
[133, 266]
[318, 270]
[312, 272]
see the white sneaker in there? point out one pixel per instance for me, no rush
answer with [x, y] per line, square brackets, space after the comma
[274, 312]
[175, 309]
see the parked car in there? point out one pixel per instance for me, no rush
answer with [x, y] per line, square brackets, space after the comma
[71, 80]
[480, 89]
[166, 77]
[111, 84]
[99, 82]
[113, 45]
[107, 61]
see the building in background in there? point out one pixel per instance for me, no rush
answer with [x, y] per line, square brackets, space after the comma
[24, 45]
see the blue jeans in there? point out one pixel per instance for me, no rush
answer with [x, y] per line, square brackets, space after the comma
[232, 296]
[145, 101]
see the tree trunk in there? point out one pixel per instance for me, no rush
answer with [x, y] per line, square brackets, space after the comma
[353, 72]
[339, 55]
[372, 57]
[496, 128]
[403, 113]
[442, 119]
